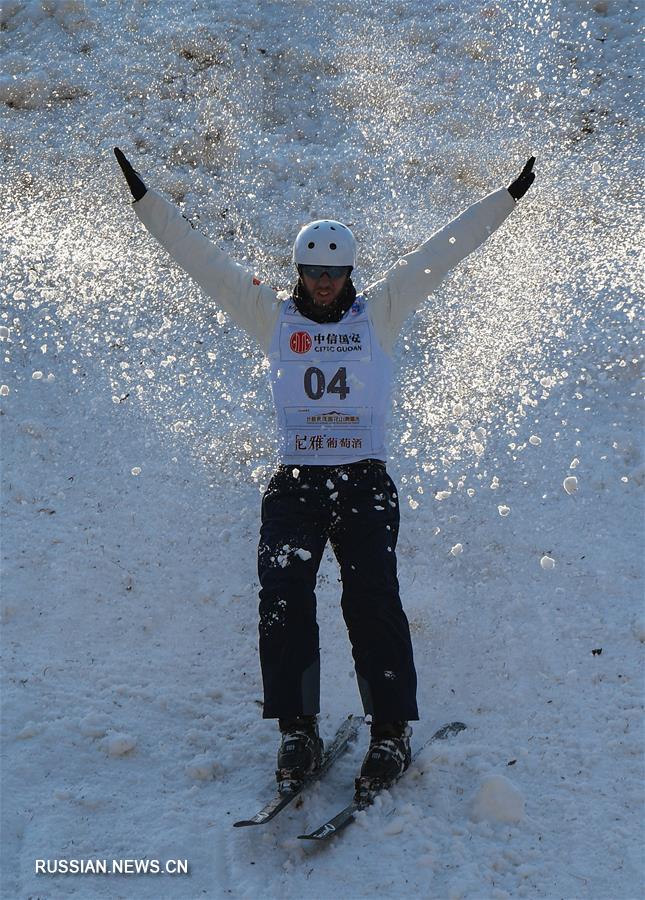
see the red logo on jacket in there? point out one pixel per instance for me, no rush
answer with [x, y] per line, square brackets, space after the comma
[300, 342]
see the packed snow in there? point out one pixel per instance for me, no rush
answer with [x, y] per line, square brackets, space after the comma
[498, 800]
[138, 437]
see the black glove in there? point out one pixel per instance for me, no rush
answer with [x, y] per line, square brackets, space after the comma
[523, 181]
[133, 178]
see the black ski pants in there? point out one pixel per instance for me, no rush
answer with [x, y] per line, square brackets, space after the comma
[355, 507]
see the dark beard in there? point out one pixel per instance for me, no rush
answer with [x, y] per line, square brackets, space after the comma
[322, 314]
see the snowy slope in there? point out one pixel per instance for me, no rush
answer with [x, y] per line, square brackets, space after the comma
[137, 437]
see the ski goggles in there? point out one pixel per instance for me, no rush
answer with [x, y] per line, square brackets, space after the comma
[317, 272]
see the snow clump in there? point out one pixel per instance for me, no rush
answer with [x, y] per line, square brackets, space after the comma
[498, 800]
[638, 629]
[202, 767]
[31, 729]
[570, 484]
[92, 725]
[118, 744]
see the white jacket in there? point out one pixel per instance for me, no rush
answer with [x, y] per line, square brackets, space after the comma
[391, 299]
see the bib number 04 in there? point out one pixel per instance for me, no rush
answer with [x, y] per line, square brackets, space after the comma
[315, 385]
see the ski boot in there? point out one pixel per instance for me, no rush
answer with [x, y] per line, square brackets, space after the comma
[387, 758]
[300, 753]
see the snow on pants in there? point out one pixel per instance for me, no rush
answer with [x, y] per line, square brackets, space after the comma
[355, 507]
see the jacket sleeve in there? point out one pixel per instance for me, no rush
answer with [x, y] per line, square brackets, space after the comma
[251, 305]
[408, 283]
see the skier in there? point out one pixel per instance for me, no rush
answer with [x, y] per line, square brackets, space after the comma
[330, 354]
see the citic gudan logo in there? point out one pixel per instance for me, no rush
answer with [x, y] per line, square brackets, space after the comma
[300, 342]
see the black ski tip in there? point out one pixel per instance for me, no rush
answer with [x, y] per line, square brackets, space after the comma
[257, 820]
[333, 826]
[320, 834]
[448, 730]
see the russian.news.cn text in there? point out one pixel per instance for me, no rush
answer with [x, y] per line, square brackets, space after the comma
[111, 867]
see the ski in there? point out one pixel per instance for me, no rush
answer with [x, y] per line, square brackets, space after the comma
[343, 737]
[364, 797]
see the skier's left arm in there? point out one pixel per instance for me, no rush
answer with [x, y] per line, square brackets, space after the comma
[408, 283]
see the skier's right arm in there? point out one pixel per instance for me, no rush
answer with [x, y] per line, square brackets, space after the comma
[252, 305]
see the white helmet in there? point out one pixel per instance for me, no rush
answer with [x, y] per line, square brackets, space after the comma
[325, 243]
